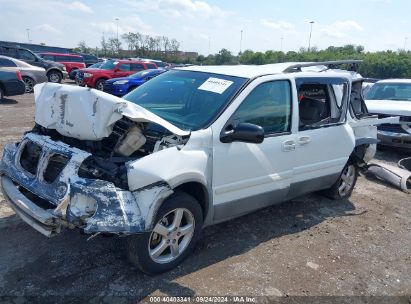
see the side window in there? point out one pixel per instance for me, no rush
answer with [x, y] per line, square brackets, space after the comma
[26, 55]
[6, 63]
[48, 57]
[137, 67]
[151, 66]
[268, 106]
[11, 52]
[321, 102]
[124, 67]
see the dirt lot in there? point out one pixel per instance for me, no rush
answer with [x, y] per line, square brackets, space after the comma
[310, 246]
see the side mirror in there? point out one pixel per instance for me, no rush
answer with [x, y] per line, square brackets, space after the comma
[245, 132]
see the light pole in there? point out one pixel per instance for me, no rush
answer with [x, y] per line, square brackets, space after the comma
[117, 27]
[209, 45]
[311, 31]
[405, 43]
[282, 38]
[28, 34]
[241, 40]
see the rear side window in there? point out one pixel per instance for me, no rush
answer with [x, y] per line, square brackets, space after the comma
[322, 101]
[151, 66]
[137, 67]
[6, 51]
[124, 67]
[25, 55]
[268, 106]
[48, 57]
[76, 59]
[6, 63]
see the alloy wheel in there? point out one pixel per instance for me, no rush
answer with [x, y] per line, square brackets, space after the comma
[347, 180]
[29, 83]
[171, 235]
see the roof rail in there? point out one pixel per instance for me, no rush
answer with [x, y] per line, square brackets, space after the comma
[297, 67]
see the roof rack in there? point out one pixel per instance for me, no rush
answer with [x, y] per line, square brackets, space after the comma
[297, 67]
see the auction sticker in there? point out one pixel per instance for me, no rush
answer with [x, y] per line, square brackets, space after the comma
[215, 85]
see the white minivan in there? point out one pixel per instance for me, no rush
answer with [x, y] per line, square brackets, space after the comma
[192, 147]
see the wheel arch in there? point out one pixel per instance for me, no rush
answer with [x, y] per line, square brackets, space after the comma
[199, 192]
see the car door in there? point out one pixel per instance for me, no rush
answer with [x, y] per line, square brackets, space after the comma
[249, 176]
[324, 141]
[123, 70]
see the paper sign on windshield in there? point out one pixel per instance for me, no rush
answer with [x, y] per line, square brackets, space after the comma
[215, 85]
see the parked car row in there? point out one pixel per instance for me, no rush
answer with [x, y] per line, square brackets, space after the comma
[11, 83]
[31, 75]
[55, 71]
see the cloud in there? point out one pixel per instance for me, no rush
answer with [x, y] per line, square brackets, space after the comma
[181, 8]
[79, 6]
[125, 25]
[278, 25]
[339, 29]
[47, 28]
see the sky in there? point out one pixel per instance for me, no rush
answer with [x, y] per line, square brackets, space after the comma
[207, 26]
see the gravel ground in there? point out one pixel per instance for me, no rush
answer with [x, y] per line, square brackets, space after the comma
[310, 246]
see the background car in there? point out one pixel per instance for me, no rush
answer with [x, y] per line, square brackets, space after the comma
[89, 59]
[124, 85]
[73, 73]
[31, 75]
[55, 71]
[70, 61]
[11, 84]
[388, 98]
[95, 78]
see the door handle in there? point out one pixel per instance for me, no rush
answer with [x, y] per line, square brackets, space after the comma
[304, 140]
[289, 145]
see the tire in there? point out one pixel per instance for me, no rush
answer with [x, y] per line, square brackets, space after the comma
[100, 84]
[153, 252]
[54, 76]
[1, 93]
[29, 83]
[345, 184]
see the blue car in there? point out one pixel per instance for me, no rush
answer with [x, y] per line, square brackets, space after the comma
[124, 85]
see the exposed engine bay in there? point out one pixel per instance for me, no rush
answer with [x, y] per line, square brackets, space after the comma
[128, 141]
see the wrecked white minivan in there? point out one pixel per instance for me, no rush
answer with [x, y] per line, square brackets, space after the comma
[192, 147]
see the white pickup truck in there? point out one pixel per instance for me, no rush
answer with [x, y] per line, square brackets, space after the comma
[192, 147]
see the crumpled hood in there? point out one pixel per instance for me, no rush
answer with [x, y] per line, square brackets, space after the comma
[389, 107]
[87, 114]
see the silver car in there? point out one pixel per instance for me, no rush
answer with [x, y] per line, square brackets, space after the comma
[31, 74]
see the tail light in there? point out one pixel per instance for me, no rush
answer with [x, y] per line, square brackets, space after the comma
[18, 74]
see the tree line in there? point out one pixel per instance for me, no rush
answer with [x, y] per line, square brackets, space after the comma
[381, 64]
[134, 45]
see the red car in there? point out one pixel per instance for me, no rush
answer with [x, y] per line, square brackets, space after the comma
[95, 78]
[70, 61]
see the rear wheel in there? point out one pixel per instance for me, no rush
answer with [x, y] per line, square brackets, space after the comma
[29, 83]
[100, 84]
[177, 228]
[1, 93]
[345, 184]
[54, 76]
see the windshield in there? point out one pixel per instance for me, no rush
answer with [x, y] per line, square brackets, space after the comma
[390, 91]
[96, 65]
[188, 100]
[142, 73]
[108, 65]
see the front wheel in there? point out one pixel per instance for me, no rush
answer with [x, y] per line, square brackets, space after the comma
[177, 228]
[345, 184]
[100, 84]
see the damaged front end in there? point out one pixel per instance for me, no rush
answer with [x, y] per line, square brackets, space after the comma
[54, 178]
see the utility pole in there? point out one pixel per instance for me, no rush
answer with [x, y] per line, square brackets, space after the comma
[405, 43]
[117, 27]
[209, 45]
[311, 31]
[241, 40]
[282, 38]
[28, 34]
